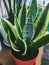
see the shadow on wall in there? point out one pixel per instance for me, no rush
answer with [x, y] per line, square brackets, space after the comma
[1, 41]
[1, 38]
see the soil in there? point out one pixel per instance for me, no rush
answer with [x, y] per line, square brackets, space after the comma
[28, 56]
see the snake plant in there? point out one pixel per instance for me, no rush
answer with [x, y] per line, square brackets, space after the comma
[28, 33]
[10, 9]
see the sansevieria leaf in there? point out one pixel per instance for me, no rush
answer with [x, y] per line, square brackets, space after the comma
[17, 6]
[13, 45]
[8, 40]
[29, 30]
[9, 2]
[18, 27]
[9, 27]
[42, 22]
[22, 15]
[21, 44]
[33, 9]
[40, 42]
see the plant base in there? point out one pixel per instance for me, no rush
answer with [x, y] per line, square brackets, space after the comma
[19, 60]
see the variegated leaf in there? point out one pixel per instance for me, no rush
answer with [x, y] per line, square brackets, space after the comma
[17, 6]
[18, 27]
[9, 27]
[42, 22]
[29, 30]
[33, 9]
[21, 44]
[22, 16]
[40, 42]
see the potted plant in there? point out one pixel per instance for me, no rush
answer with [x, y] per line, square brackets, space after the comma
[28, 35]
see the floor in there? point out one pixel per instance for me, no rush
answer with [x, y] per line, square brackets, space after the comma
[6, 56]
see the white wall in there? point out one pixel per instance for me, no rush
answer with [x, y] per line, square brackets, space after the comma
[41, 2]
[3, 12]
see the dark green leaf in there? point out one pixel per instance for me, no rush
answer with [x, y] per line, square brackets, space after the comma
[42, 22]
[40, 42]
[17, 6]
[14, 47]
[10, 7]
[8, 40]
[28, 31]
[22, 15]
[21, 44]
[9, 27]
[18, 27]
[33, 9]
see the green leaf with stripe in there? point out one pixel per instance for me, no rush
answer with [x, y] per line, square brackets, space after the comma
[38, 43]
[21, 44]
[13, 45]
[29, 30]
[9, 27]
[22, 16]
[18, 27]
[42, 22]
[17, 6]
[8, 40]
[33, 9]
